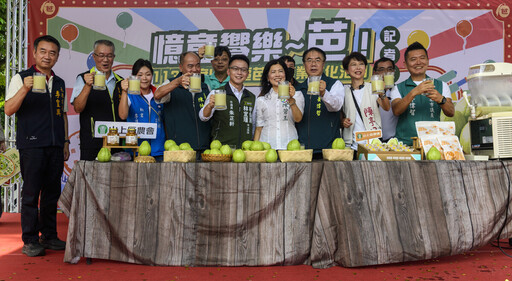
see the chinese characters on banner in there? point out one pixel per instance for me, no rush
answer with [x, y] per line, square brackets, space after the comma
[334, 36]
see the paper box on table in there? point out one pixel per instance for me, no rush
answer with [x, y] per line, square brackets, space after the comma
[365, 154]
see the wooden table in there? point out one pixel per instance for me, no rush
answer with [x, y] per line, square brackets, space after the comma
[321, 213]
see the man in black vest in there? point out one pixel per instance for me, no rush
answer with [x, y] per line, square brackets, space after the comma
[320, 123]
[42, 140]
[93, 104]
[234, 125]
[181, 107]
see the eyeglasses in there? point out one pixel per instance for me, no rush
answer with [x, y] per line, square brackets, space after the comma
[102, 56]
[239, 69]
[389, 69]
[317, 60]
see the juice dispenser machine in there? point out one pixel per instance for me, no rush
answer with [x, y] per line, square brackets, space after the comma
[490, 85]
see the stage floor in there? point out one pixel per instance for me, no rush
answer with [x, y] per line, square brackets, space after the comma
[486, 263]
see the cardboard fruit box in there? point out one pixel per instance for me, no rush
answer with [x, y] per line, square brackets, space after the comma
[365, 154]
[303, 155]
[180, 156]
[255, 156]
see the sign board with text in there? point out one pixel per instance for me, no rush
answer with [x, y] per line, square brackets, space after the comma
[368, 135]
[143, 130]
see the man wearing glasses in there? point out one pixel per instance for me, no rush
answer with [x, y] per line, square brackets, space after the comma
[234, 125]
[96, 104]
[220, 62]
[320, 123]
[388, 119]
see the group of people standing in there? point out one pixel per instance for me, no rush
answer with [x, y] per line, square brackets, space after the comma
[315, 120]
[192, 118]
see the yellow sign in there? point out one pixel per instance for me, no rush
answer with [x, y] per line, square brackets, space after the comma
[9, 164]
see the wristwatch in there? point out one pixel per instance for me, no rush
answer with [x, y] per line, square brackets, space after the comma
[443, 101]
[67, 141]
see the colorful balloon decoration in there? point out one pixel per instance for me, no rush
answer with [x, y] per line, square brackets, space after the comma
[419, 36]
[124, 20]
[464, 28]
[69, 32]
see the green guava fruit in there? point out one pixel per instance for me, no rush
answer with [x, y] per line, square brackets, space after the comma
[168, 144]
[239, 156]
[293, 145]
[144, 148]
[433, 154]
[271, 156]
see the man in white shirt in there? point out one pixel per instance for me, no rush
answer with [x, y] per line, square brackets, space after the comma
[234, 125]
[95, 104]
[43, 143]
[320, 123]
[388, 119]
[418, 99]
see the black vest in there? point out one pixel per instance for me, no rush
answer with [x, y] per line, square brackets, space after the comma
[99, 107]
[41, 116]
[319, 127]
[181, 118]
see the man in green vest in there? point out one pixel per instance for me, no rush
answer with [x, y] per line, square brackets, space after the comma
[181, 107]
[417, 98]
[234, 125]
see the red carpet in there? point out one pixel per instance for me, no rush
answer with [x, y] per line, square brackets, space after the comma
[487, 263]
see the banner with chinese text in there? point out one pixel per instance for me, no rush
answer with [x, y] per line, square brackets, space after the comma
[456, 34]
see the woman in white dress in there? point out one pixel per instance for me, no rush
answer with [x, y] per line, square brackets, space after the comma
[275, 118]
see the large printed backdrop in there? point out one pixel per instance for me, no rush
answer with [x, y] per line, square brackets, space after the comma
[456, 34]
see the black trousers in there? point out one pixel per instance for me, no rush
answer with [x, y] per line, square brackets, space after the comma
[41, 169]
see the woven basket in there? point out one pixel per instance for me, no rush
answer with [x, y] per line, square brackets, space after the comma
[255, 156]
[180, 156]
[305, 155]
[216, 157]
[346, 154]
[144, 159]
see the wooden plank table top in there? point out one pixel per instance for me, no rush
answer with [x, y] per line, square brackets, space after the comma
[353, 213]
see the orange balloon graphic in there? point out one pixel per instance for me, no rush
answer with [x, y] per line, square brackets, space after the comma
[464, 28]
[69, 32]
